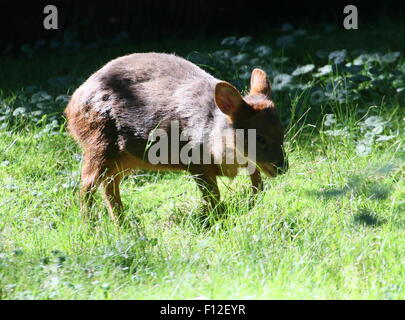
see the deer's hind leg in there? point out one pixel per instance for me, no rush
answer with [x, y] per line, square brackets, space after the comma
[111, 185]
[109, 173]
[97, 171]
[110, 176]
[90, 180]
[116, 170]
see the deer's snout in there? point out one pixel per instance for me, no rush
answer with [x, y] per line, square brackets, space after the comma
[282, 166]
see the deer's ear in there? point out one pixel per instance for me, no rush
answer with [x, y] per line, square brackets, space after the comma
[228, 98]
[259, 83]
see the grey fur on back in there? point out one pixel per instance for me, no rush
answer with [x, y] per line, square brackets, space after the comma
[143, 91]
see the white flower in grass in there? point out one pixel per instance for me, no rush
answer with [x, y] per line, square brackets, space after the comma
[317, 97]
[263, 51]
[373, 122]
[40, 96]
[337, 94]
[243, 41]
[5, 163]
[369, 137]
[224, 54]
[338, 56]
[63, 98]
[390, 57]
[303, 70]
[329, 119]
[239, 58]
[229, 41]
[363, 148]
[366, 58]
[281, 81]
[19, 111]
[322, 71]
[385, 138]
[337, 132]
[377, 130]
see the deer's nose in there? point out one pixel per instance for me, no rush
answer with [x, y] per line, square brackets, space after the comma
[282, 166]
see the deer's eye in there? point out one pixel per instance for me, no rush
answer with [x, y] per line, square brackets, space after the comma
[261, 140]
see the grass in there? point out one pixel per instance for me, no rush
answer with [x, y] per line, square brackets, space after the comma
[331, 228]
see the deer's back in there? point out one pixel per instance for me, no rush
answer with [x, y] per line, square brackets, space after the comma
[132, 95]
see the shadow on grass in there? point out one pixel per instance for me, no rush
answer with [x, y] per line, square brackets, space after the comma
[203, 218]
[357, 185]
[367, 218]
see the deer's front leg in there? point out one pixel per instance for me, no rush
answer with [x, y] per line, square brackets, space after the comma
[257, 186]
[207, 183]
[257, 182]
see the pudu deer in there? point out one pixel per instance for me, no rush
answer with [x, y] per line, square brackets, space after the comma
[114, 112]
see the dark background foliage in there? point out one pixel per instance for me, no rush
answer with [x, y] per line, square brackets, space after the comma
[21, 21]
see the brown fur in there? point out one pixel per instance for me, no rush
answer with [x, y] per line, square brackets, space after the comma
[112, 114]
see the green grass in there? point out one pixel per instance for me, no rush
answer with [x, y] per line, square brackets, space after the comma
[333, 227]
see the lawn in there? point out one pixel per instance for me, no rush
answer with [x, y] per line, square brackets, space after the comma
[332, 227]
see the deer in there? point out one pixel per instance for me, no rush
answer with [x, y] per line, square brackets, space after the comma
[113, 113]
